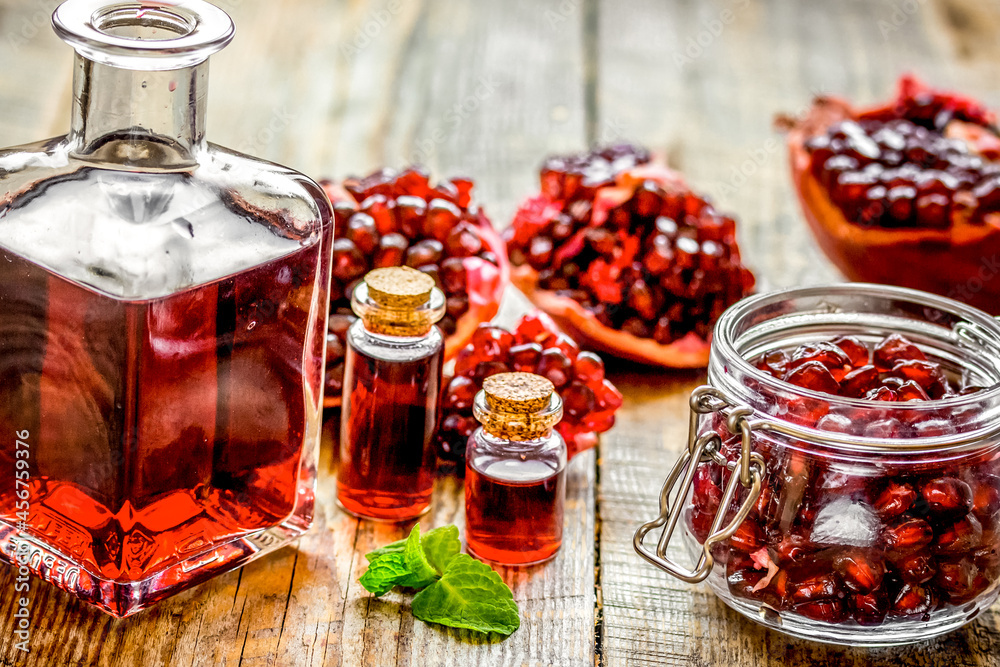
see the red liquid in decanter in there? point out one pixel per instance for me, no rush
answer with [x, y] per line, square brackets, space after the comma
[158, 428]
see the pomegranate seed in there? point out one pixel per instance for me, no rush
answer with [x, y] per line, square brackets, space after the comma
[859, 382]
[894, 500]
[911, 391]
[961, 536]
[913, 600]
[428, 251]
[361, 230]
[411, 213]
[881, 394]
[578, 400]
[827, 611]
[835, 423]
[870, 609]
[555, 366]
[441, 217]
[908, 535]
[747, 538]
[893, 349]
[916, 568]
[391, 250]
[859, 572]
[459, 394]
[589, 368]
[947, 495]
[348, 263]
[774, 362]
[856, 351]
[926, 374]
[813, 375]
[491, 342]
[524, 358]
[827, 354]
[817, 587]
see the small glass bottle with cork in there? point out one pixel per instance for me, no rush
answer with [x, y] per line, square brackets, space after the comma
[515, 480]
[392, 381]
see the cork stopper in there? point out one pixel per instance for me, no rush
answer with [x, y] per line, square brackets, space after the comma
[517, 393]
[398, 301]
[517, 406]
[399, 287]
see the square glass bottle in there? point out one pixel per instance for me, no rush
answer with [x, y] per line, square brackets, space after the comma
[163, 307]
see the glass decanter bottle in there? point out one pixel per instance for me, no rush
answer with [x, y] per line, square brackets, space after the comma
[163, 308]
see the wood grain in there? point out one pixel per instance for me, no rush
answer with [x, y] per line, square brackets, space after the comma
[487, 89]
[711, 113]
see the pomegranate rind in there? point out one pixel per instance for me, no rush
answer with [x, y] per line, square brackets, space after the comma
[687, 352]
[486, 282]
[921, 258]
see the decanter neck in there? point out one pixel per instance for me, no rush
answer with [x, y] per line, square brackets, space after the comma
[138, 118]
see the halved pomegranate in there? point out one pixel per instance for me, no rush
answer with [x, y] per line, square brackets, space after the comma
[626, 258]
[906, 193]
[394, 218]
[536, 345]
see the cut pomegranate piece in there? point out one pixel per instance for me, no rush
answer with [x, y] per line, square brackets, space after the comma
[536, 345]
[913, 182]
[620, 252]
[395, 219]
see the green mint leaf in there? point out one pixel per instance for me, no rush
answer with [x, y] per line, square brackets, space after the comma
[392, 548]
[384, 573]
[440, 546]
[469, 595]
[421, 572]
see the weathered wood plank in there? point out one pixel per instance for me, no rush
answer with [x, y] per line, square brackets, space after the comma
[709, 107]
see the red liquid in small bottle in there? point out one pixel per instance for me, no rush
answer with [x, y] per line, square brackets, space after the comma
[514, 511]
[386, 469]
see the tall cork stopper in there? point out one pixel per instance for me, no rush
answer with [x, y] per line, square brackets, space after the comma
[518, 393]
[399, 287]
[518, 406]
[398, 301]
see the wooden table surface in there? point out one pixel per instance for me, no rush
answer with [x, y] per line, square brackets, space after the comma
[487, 89]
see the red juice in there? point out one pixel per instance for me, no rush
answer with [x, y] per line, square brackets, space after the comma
[514, 510]
[387, 459]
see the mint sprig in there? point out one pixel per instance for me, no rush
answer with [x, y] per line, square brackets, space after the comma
[469, 595]
[455, 589]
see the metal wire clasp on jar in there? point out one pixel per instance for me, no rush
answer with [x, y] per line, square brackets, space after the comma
[840, 519]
